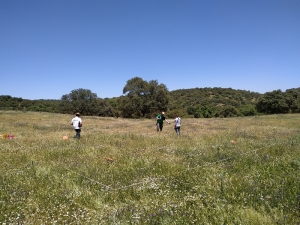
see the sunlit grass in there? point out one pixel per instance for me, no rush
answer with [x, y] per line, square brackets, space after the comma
[219, 171]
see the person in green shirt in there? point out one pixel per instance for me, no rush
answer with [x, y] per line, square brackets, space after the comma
[160, 121]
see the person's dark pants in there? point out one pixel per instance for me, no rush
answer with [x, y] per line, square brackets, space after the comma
[177, 129]
[78, 133]
[159, 126]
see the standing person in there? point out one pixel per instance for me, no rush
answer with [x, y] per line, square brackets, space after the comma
[160, 121]
[77, 124]
[177, 124]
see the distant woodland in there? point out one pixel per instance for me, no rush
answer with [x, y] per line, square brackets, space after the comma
[142, 99]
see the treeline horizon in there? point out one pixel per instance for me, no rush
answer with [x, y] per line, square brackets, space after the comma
[142, 99]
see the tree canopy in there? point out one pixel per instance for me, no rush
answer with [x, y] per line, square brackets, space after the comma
[80, 100]
[141, 98]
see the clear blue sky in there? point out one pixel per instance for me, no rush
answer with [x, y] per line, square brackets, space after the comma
[50, 47]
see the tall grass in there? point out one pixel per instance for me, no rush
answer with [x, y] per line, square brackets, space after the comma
[219, 171]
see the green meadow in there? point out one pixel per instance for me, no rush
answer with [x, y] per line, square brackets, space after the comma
[242, 170]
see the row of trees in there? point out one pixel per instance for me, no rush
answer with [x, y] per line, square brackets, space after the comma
[85, 102]
[140, 99]
[145, 99]
[11, 103]
[280, 102]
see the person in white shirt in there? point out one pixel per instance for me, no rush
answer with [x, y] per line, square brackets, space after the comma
[177, 124]
[77, 124]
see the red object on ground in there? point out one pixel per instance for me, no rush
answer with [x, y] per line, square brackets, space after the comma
[109, 160]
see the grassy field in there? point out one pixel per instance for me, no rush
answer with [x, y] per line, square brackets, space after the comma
[219, 171]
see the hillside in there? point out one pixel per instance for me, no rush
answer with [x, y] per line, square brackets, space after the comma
[212, 96]
[216, 99]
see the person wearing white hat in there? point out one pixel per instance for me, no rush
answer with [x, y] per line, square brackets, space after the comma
[160, 121]
[77, 124]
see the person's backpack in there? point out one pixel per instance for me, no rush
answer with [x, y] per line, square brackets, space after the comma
[158, 117]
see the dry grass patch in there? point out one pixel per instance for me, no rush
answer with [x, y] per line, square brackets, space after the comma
[219, 171]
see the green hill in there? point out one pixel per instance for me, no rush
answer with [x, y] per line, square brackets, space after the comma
[215, 99]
